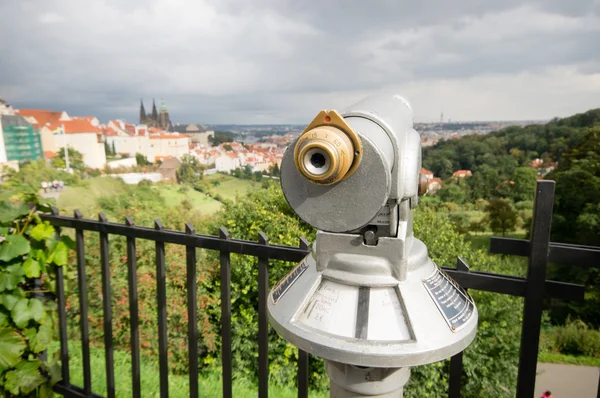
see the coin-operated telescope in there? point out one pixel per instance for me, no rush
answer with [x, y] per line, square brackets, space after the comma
[367, 298]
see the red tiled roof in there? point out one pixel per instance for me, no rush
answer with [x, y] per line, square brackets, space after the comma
[130, 128]
[75, 126]
[462, 173]
[50, 154]
[41, 116]
[425, 171]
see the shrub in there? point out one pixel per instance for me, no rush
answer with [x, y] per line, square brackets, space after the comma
[576, 338]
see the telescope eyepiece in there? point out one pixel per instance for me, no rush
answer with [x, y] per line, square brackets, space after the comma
[327, 154]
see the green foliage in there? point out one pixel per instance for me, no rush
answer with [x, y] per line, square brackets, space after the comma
[490, 363]
[494, 158]
[29, 249]
[27, 181]
[452, 193]
[576, 219]
[75, 159]
[190, 171]
[141, 160]
[221, 137]
[502, 216]
[573, 338]
[262, 210]
[523, 188]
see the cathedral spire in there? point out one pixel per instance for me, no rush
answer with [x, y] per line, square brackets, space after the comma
[154, 112]
[142, 112]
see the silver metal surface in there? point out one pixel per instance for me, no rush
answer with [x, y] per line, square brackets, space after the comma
[352, 381]
[393, 114]
[345, 206]
[311, 315]
[368, 295]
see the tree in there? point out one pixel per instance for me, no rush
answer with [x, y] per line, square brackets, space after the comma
[274, 170]
[190, 171]
[75, 159]
[141, 160]
[227, 147]
[524, 183]
[452, 193]
[501, 215]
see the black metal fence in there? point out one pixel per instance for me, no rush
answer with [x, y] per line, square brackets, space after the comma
[534, 288]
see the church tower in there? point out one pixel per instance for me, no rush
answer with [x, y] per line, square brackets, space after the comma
[154, 113]
[164, 122]
[142, 112]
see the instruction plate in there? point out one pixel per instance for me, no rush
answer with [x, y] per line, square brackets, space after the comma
[455, 304]
[284, 284]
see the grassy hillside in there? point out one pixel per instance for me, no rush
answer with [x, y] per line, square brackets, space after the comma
[85, 197]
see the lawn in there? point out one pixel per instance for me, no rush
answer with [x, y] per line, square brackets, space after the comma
[209, 383]
[174, 195]
[229, 187]
[85, 197]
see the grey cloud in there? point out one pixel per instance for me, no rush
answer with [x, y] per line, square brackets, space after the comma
[236, 61]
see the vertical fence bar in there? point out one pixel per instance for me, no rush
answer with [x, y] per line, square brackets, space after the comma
[133, 312]
[225, 259]
[456, 362]
[62, 316]
[161, 282]
[107, 310]
[263, 322]
[83, 310]
[190, 256]
[534, 295]
[303, 355]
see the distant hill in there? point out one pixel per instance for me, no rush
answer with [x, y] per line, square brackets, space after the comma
[510, 147]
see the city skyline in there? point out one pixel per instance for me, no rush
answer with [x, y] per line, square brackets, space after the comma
[272, 62]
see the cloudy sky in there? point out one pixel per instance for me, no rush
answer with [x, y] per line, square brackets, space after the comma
[280, 61]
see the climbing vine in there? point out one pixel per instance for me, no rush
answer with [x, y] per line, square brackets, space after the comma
[30, 249]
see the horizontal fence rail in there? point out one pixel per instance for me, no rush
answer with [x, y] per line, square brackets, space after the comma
[534, 288]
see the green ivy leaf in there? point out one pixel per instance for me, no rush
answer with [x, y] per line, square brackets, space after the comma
[3, 319]
[13, 246]
[11, 348]
[68, 241]
[9, 301]
[32, 268]
[40, 341]
[40, 255]
[26, 310]
[54, 371]
[42, 232]
[60, 254]
[25, 378]
[8, 212]
[11, 277]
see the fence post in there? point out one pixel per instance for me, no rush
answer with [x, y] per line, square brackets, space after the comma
[534, 295]
[263, 322]
[192, 287]
[225, 274]
[303, 355]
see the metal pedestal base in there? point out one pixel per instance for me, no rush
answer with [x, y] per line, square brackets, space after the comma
[350, 381]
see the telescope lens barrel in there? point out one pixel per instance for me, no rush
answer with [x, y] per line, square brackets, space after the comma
[324, 155]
